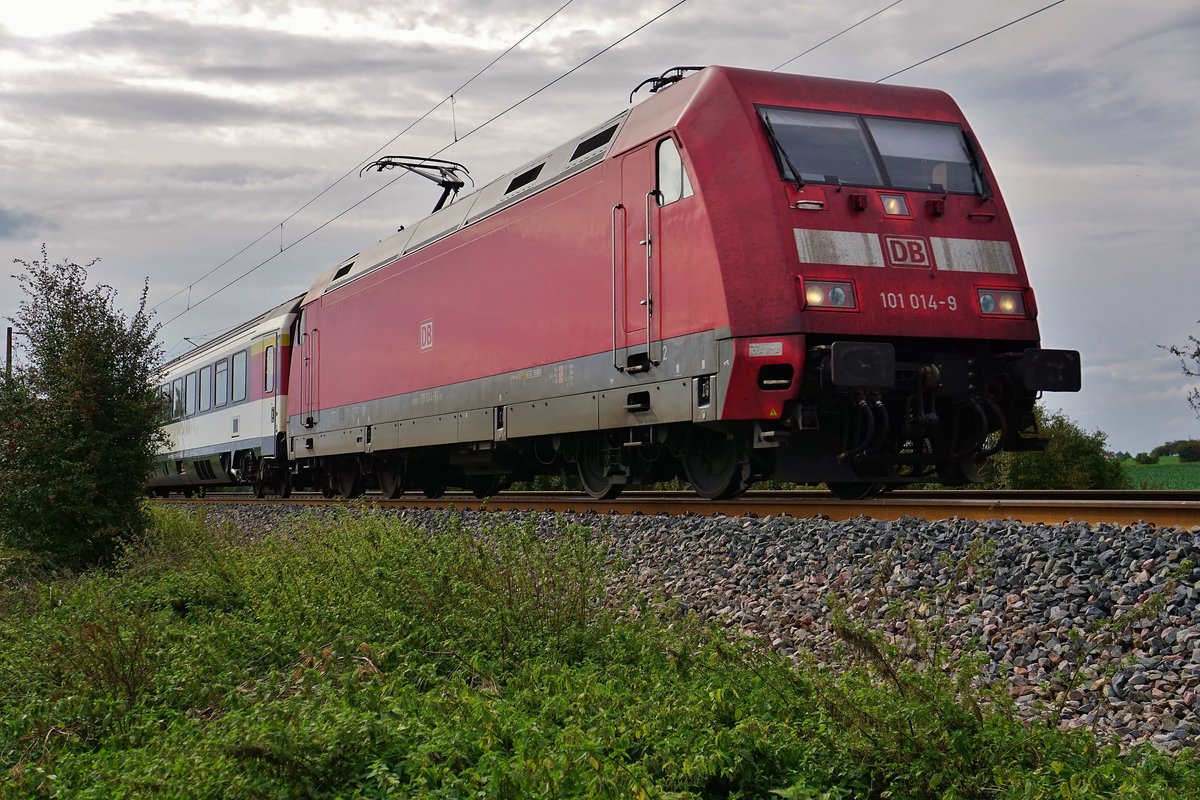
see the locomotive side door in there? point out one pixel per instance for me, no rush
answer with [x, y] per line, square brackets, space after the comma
[637, 314]
[309, 357]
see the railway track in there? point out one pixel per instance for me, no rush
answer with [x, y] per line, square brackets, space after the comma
[1161, 508]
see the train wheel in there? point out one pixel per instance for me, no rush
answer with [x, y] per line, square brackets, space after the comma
[855, 490]
[434, 489]
[350, 481]
[162, 492]
[484, 486]
[260, 490]
[284, 489]
[189, 493]
[201, 491]
[715, 468]
[328, 492]
[592, 475]
[391, 479]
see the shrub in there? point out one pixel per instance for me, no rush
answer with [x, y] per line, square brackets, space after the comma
[1146, 458]
[1073, 459]
[79, 421]
[1189, 451]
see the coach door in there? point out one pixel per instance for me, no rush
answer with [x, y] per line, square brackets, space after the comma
[267, 378]
[636, 275]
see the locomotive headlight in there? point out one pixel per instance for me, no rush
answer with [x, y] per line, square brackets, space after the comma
[895, 205]
[829, 295]
[1001, 302]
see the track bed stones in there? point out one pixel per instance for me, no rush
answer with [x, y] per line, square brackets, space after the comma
[1098, 626]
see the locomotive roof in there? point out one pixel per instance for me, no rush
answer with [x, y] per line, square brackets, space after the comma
[632, 127]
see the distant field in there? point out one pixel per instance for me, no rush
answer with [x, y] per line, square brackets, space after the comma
[1168, 473]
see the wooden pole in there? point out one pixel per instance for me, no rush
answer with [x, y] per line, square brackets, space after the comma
[8, 354]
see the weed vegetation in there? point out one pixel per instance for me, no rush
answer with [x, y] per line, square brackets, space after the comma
[356, 656]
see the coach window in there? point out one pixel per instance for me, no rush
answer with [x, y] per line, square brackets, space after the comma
[177, 398]
[673, 183]
[222, 383]
[165, 399]
[205, 388]
[239, 376]
[189, 394]
[269, 369]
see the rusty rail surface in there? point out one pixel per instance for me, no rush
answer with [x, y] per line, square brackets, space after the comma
[1160, 508]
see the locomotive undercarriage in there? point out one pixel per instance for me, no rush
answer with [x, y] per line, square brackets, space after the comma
[895, 416]
[716, 462]
[869, 417]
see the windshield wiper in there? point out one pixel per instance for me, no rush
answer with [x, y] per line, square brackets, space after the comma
[770, 129]
[985, 191]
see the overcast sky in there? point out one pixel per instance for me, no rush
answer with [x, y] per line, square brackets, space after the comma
[164, 137]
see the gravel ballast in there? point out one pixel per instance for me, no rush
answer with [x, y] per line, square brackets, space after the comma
[1098, 625]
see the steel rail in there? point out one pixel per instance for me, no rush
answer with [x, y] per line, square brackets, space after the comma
[1160, 508]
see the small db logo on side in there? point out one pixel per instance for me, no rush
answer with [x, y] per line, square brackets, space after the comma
[426, 334]
[907, 251]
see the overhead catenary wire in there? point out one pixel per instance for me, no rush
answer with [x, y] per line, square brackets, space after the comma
[969, 41]
[380, 149]
[836, 35]
[476, 129]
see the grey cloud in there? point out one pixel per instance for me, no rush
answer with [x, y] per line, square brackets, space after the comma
[131, 106]
[123, 106]
[19, 225]
[254, 55]
[232, 175]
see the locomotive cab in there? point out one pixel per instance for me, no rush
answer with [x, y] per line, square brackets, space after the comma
[876, 262]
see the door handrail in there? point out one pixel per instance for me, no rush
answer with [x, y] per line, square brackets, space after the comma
[614, 232]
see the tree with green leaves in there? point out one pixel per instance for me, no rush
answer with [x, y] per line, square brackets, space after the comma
[1073, 459]
[78, 416]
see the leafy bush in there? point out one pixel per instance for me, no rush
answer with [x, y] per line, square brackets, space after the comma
[78, 422]
[1146, 458]
[1073, 459]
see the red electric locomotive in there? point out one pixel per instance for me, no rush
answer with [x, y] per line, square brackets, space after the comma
[746, 276]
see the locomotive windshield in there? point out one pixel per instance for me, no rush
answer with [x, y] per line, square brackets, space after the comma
[826, 147]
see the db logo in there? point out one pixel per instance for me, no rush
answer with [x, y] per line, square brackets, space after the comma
[907, 251]
[426, 334]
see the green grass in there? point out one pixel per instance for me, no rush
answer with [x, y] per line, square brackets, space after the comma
[357, 657]
[1168, 473]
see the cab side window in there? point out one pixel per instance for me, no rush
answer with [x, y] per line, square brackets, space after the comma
[673, 181]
